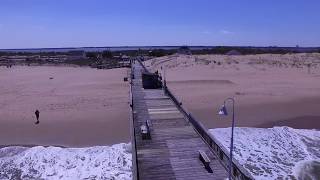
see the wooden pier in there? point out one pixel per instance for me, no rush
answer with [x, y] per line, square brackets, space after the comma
[165, 143]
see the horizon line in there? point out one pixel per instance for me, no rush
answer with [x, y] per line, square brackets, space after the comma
[137, 46]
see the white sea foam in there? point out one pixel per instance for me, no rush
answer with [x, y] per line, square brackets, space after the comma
[271, 153]
[99, 162]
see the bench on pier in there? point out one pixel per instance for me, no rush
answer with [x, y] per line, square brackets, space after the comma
[204, 158]
[145, 130]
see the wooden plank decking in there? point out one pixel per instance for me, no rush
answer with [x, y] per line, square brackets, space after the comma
[172, 151]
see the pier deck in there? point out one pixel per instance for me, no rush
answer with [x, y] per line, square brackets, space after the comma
[173, 150]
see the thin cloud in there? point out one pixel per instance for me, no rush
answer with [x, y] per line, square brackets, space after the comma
[223, 31]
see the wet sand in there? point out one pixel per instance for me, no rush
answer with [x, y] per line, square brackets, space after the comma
[269, 90]
[78, 107]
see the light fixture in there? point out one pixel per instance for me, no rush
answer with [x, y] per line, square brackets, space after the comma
[223, 112]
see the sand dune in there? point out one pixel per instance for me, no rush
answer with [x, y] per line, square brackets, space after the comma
[270, 90]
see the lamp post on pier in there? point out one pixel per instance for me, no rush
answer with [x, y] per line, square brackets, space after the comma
[223, 111]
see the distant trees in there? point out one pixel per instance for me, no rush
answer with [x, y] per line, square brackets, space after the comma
[157, 53]
[96, 55]
[107, 54]
[161, 52]
[92, 55]
[243, 50]
[3, 53]
[184, 50]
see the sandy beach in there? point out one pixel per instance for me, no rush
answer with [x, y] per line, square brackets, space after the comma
[79, 107]
[270, 90]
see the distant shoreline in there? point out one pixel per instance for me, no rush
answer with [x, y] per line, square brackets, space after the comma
[135, 48]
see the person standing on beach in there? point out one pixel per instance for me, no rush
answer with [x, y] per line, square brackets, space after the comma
[37, 113]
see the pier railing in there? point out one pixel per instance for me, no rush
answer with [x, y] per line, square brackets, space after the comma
[135, 172]
[238, 171]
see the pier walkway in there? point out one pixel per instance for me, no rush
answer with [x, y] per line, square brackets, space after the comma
[172, 149]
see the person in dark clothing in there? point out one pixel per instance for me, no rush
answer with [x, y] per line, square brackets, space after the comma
[37, 113]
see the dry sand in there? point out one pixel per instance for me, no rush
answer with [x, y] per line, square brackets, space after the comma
[270, 90]
[78, 107]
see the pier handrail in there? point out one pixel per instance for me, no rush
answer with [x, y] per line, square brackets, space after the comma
[135, 172]
[141, 63]
[238, 171]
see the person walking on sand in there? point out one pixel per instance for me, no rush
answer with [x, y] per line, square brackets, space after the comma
[37, 113]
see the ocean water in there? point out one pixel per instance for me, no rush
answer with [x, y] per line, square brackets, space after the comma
[98, 162]
[274, 153]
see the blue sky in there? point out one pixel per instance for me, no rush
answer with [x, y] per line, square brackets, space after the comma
[75, 23]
